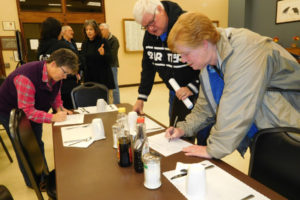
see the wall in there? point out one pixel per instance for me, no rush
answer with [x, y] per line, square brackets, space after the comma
[259, 16]
[8, 12]
[130, 63]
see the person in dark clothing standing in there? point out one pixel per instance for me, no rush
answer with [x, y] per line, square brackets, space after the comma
[114, 46]
[157, 18]
[35, 88]
[96, 57]
[49, 42]
[72, 80]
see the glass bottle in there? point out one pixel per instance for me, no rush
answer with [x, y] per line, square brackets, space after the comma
[124, 143]
[138, 144]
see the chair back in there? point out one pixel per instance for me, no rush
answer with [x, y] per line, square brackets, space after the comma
[275, 160]
[88, 93]
[28, 149]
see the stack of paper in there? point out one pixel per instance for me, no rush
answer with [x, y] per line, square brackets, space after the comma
[165, 147]
[219, 185]
[93, 109]
[78, 136]
[152, 126]
[71, 119]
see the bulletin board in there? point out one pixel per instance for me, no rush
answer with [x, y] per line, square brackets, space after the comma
[133, 36]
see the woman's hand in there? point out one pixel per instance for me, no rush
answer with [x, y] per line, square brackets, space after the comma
[101, 50]
[196, 150]
[173, 133]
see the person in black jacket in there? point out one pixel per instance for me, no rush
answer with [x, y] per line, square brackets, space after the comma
[96, 57]
[157, 18]
[49, 42]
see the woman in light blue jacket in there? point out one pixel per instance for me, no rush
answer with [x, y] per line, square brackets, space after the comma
[248, 83]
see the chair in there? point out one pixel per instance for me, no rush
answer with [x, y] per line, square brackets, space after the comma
[88, 93]
[5, 194]
[275, 160]
[2, 79]
[31, 156]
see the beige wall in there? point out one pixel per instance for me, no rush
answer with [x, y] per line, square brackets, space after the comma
[8, 12]
[116, 10]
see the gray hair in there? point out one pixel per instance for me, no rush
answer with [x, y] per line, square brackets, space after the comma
[104, 25]
[142, 7]
[64, 28]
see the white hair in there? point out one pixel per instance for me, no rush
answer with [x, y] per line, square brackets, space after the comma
[142, 7]
[104, 25]
[64, 28]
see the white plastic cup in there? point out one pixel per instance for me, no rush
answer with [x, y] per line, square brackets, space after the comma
[132, 117]
[196, 181]
[101, 105]
[98, 129]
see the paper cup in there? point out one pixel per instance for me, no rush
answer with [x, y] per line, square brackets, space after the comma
[132, 117]
[98, 129]
[196, 182]
[101, 105]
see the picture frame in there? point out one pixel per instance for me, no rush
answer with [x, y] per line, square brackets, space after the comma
[8, 25]
[133, 36]
[287, 11]
[8, 43]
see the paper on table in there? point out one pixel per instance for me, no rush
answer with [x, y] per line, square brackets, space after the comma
[162, 145]
[152, 126]
[219, 184]
[78, 132]
[71, 119]
[93, 109]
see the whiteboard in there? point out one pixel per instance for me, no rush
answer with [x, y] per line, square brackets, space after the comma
[133, 36]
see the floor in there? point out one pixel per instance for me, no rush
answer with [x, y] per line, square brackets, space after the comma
[156, 106]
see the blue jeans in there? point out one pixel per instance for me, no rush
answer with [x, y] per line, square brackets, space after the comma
[116, 91]
[37, 128]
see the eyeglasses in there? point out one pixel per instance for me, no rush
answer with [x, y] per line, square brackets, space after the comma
[65, 73]
[151, 23]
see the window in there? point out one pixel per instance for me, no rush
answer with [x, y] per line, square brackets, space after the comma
[41, 5]
[84, 5]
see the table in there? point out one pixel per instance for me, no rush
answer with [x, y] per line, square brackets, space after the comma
[93, 173]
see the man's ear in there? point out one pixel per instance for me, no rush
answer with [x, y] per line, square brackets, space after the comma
[160, 8]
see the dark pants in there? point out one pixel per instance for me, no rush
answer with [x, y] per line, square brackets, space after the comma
[37, 128]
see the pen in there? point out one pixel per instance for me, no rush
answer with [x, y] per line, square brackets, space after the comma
[174, 124]
[60, 107]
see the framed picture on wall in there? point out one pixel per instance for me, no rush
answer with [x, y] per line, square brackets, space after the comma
[287, 11]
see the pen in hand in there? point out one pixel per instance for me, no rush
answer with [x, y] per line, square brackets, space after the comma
[174, 124]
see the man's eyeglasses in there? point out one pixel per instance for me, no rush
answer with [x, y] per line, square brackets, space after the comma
[65, 73]
[151, 23]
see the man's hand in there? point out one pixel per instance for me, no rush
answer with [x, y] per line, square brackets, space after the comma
[196, 150]
[138, 106]
[183, 93]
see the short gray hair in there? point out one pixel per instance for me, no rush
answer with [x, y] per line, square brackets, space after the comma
[142, 7]
[104, 25]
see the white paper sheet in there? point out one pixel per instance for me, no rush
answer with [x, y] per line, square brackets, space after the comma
[93, 109]
[219, 183]
[162, 145]
[71, 119]
[78, 136]
[152, 126]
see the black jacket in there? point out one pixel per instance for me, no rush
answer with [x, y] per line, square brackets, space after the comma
[95, 66]
[157, 57]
